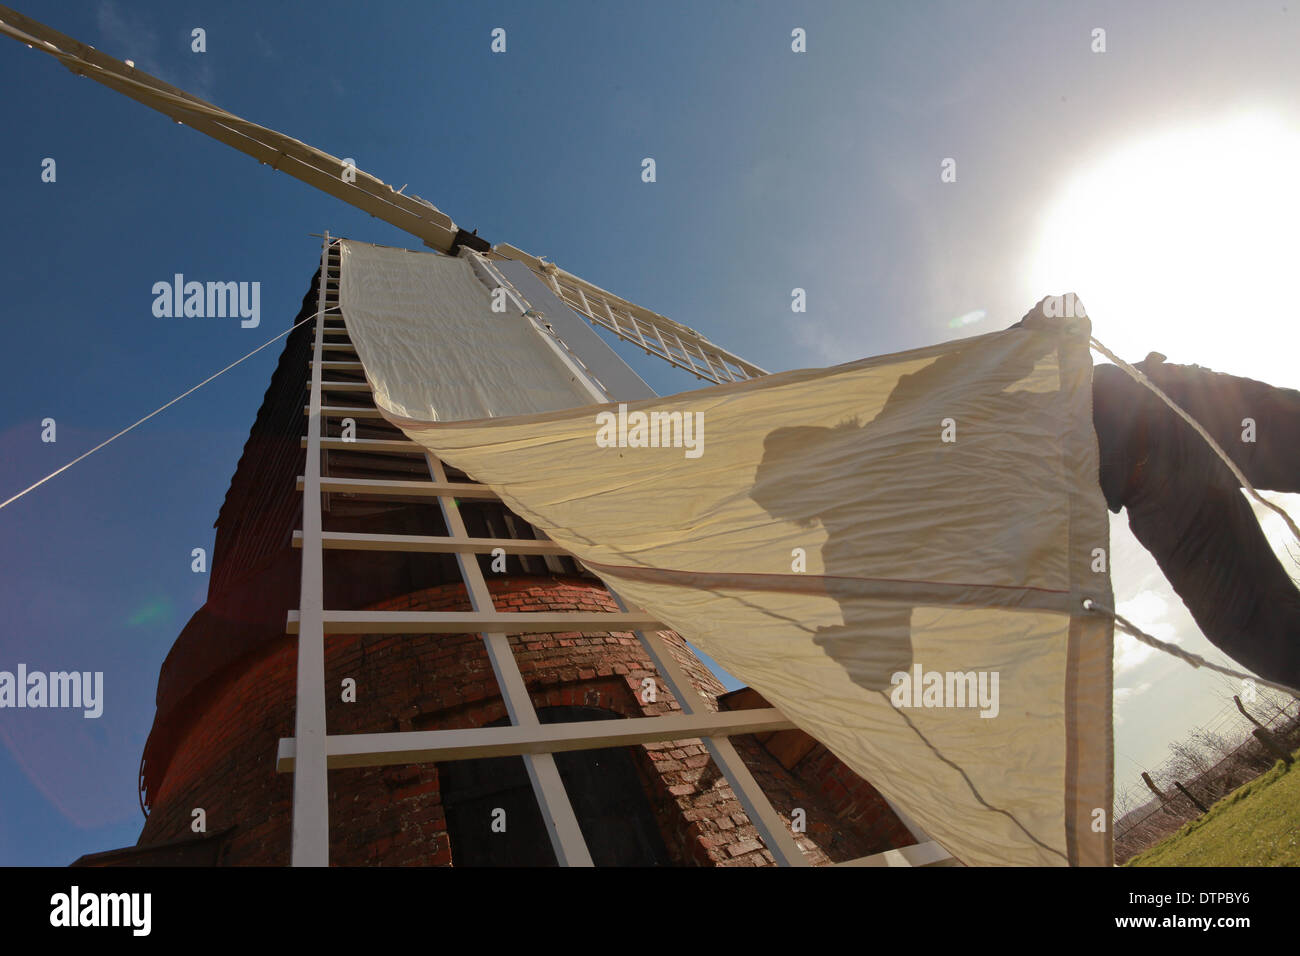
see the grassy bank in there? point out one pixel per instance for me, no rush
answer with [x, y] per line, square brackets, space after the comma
[1258, 824]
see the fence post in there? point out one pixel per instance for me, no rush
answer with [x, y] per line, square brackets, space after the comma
[1271, 745]
[1164, 801]
[1237, 700]
[1263, 735]
[1188, 794]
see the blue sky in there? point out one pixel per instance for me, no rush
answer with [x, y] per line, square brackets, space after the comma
[775, 170]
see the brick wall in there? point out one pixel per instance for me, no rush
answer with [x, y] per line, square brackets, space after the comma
[225, 761]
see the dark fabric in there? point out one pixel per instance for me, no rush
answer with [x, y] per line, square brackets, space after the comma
[1187, 509]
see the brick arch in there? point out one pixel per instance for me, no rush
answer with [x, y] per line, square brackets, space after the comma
[224, 758]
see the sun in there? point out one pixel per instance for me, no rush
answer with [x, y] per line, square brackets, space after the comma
[1186, 241]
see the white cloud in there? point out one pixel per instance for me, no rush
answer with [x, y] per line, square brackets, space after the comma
[128, 38]
[1123, 700]
[1279, 536]
[1123, 694]
[1144, 597]
[826, 344]
[263, 45]
[1152, 611]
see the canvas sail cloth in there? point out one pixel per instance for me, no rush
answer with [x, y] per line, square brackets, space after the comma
[964, 557]
[428, 319]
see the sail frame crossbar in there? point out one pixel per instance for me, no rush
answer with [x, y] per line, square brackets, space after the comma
[658, 335]
[653, 333]
[310, 829]
[311, 165]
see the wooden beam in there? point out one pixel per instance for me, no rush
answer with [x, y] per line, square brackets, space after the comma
[383, 486]
[311, 829]
[919, 854]
[553, 802]
[355, 541]
[346, 411]
[470, 622]
[400, 446]
[472, 743]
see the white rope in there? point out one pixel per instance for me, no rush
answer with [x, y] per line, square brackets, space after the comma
[1174, 650]
[161, 408]
[1138, 376]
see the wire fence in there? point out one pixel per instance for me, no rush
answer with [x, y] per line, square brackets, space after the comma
[1206, 784]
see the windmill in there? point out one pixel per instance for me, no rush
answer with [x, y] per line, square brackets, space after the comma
[544, 299]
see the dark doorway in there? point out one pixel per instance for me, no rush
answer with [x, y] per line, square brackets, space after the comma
[604, 787]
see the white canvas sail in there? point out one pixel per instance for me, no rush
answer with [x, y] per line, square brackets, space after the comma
[894, 552]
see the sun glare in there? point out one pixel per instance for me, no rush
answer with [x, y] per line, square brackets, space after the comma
[1186, 242]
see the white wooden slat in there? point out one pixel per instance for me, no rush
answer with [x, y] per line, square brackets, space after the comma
[360, 541]
[474, 743]
[557, 812]
[310, 830]
[771, 828]
[387, 486]
[400, 446]
[346, 411]
[928, 853]
[468, 622]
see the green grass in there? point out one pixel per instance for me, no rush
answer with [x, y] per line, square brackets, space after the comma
[1258, 824]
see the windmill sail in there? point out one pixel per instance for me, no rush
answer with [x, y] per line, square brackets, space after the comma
[658, 335]
[815, 533]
